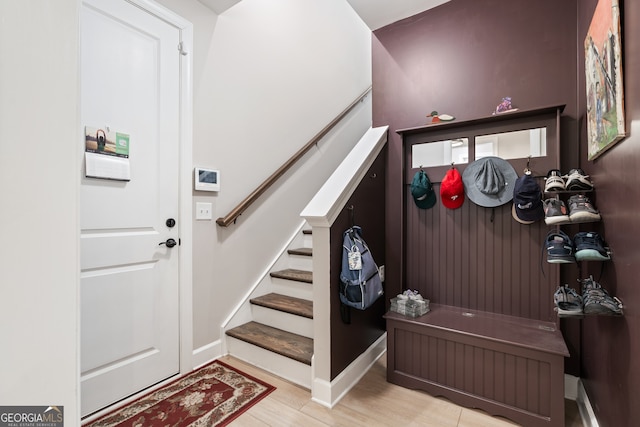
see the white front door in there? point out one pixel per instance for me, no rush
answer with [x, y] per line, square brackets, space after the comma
[130, 71]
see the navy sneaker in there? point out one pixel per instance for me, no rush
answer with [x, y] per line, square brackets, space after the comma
[576, 180]
[589, 246]
[582, 210]
[559, 248]
[596, 299]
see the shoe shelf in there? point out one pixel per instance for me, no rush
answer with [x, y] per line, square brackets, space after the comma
[582, 315]
[594, 300]
[570, 222]
[558, 192]
[583, 247]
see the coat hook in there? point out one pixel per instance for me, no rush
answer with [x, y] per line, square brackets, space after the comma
[352, 215]
[527, 170]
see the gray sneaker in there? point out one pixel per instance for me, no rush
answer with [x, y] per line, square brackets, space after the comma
[555, 212]
[568, 302]
[581, 209]
[598, 301]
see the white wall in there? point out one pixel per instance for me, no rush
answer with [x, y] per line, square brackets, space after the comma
[39, 177]
[267, 77]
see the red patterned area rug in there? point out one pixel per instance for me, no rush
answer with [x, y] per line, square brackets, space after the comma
[213, 395]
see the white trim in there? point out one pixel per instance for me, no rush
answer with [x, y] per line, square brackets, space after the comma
[584, 406]
[329, 394]
[325, 206]
[186, 205]
[571, 387]
[165, 14]
[186, 153]
[206, 354]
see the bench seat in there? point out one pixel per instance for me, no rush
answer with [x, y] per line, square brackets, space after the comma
[508, 366]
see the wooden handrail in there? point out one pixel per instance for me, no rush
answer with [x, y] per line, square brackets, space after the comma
[243, 205]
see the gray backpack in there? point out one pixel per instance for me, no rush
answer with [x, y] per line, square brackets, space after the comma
[360, 284]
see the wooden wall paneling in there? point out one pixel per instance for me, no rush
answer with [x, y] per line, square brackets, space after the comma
[477, 257]
[520, 383]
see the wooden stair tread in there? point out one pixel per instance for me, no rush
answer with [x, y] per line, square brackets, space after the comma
[293, 274]
[287, 304]
[285, 343]
[301, 251]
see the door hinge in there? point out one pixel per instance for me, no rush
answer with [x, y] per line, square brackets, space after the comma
[182, 49]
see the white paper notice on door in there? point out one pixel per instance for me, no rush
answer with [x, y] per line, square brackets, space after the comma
[106, 154]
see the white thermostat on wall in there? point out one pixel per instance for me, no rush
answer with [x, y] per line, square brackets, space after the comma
[206, 179]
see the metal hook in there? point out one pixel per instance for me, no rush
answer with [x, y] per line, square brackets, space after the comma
[527, 170]
[352, 215]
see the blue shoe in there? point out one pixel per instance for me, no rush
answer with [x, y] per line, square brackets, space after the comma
[589, 246]
[559, 248]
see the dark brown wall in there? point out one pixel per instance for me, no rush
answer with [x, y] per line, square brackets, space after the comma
[611, 347]
[348, 341]
[461, 58]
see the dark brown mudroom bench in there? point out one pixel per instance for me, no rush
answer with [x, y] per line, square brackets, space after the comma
[508, 366]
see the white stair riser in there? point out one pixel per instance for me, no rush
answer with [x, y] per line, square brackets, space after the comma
[292, 288]
[301, 262]
[284, 367]
[307, 240]
[281, 320]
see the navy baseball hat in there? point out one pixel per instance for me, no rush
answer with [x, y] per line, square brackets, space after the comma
[527, 200]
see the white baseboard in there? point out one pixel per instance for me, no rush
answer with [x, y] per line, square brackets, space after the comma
[571, 387]
[207, 353]
[329, 394]
[584, 406]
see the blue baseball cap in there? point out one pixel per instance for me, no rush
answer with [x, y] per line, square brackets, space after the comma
[527, 200]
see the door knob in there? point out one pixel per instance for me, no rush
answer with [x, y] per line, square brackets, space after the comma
[170, 243]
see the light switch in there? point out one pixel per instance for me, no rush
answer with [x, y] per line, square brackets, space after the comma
[204, 211]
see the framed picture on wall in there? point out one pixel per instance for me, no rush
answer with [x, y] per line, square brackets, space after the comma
[603, 69]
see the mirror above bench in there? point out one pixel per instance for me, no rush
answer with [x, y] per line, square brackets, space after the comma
[513, 136]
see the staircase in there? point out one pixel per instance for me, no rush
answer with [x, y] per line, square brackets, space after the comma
[279, 336]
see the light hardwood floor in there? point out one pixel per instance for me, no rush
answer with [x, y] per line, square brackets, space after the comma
[372, 402]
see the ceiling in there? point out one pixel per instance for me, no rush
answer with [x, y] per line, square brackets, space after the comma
[375, 13]
[378, 13]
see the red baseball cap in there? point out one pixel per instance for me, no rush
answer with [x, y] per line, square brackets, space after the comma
[452, 189]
